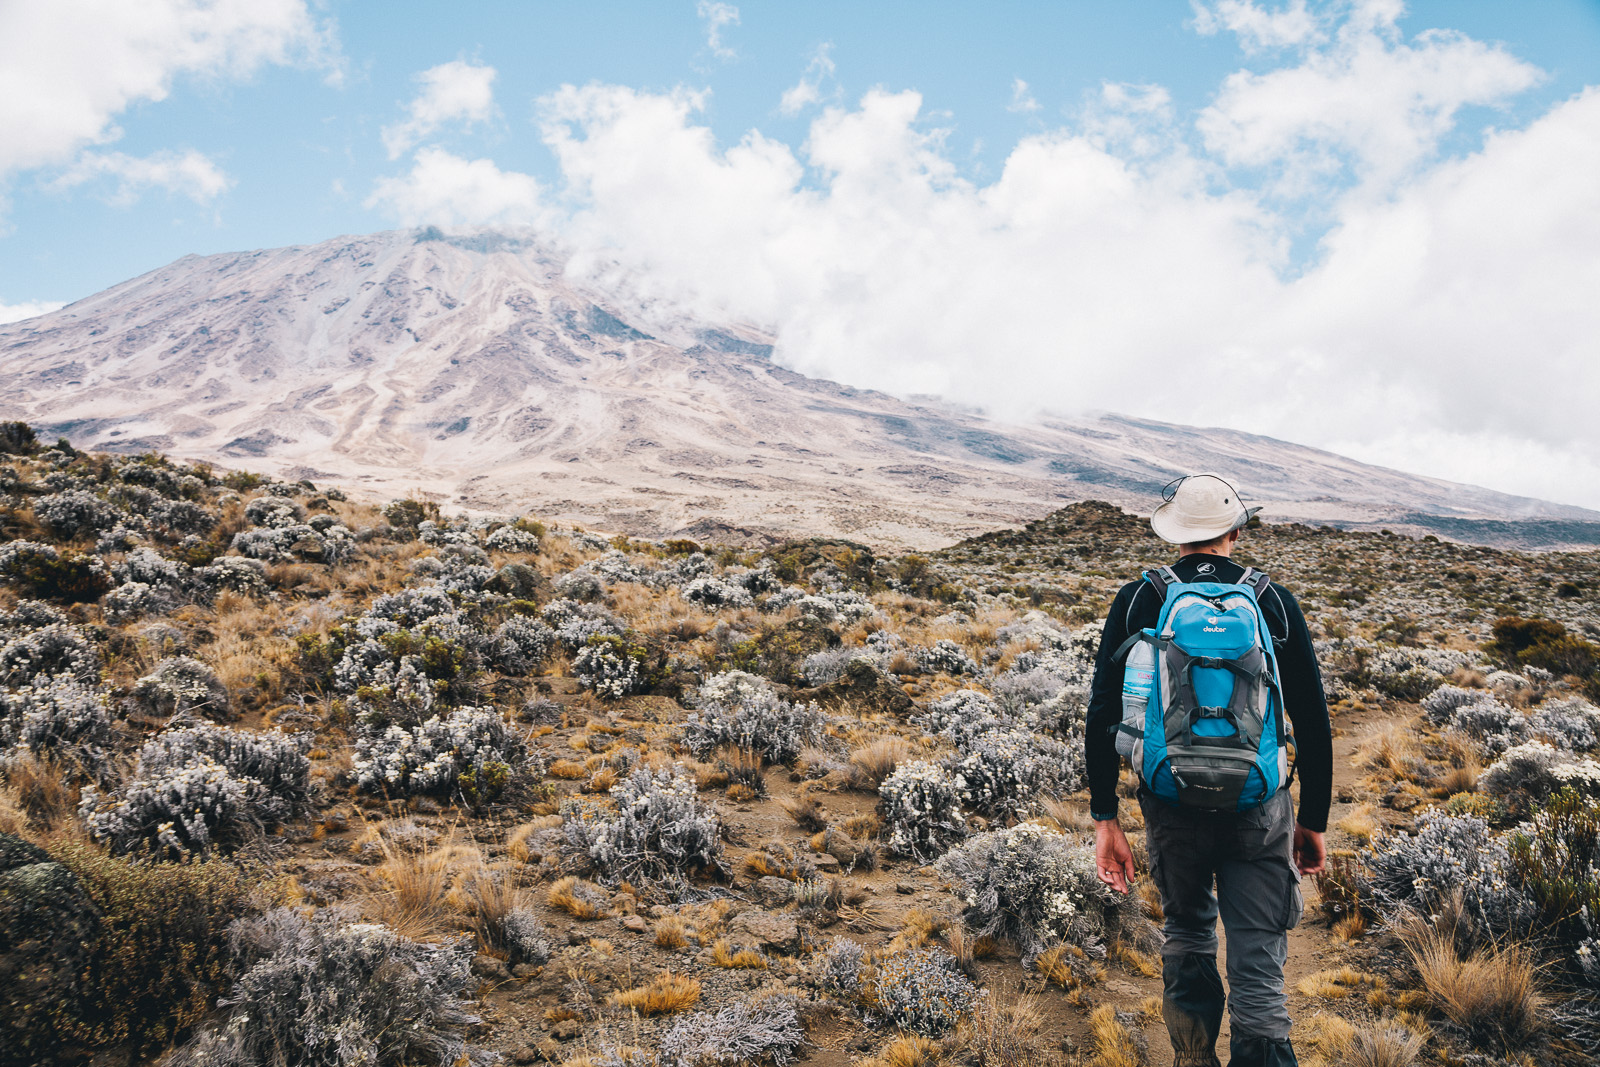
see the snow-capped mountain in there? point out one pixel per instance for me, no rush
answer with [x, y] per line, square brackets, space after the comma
[471, 368]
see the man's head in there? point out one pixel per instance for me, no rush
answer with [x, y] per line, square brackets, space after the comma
[1201, 513]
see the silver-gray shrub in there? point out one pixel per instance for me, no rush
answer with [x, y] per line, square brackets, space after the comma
[193, 791]
[923, 991]
[1038, 888]
[944, 657]
[774, 728]
[921, 810]
[181, 685]
[1443, 702]
[274, 512]
[728, 688]
[521, 645]
[759, 1029]
[60, 718]
[151, 568]
[1530, 773]
[1419, 873]
[960, 716]
[466, 750]
[277, 761]
[1573, 722]
[327, 992]
[135, 600]
[714, 592]
[512, 538]
[574, 622]
[235, 574]
[31, 615]
[53, 649]
[831, 664]
[76, 514]
[1002, 773]
[838, 968]
[657, 829]
[610, 666]
[1495, 726]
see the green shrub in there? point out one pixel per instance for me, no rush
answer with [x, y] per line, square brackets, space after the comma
[242, 481]
[1546, 644]
[41, 572]
[1554, 857]
[162, 958]
[17, 438]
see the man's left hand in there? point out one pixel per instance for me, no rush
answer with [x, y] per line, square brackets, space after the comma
[1309, 852]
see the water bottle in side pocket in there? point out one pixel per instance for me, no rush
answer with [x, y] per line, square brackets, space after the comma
[1138, 683]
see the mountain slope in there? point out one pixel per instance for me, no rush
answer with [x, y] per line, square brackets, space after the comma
[471, 369]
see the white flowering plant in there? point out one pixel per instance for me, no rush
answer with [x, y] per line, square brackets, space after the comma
[1037, 887]
[655, 830]
[471, 752]
[921, 810]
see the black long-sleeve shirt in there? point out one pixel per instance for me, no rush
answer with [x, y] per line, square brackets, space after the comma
[1136, 607]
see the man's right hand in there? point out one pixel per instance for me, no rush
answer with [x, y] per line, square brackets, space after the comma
[1113, 859]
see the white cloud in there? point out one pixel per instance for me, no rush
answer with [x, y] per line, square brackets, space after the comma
[68, 68]
[1447, 326]
[446, 190]
[27, 310]
[1367, 105]
[808, 90]
[717, 16]
[1021, 99]
[187, 173]
[451, 92]
[1256, 27]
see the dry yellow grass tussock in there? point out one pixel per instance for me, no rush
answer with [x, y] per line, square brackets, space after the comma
[1493, 994]
[416, 894]
[723, 954]
[1114, 1044]
[876, 760]
[672, 932]
[569, 769]
[1334, 1042]
[1361, 823]
[579, 899]
[1338, 983]
[908, 1050]
[662, 995]
[37, 795]
[805, 810]
[1004, 1031]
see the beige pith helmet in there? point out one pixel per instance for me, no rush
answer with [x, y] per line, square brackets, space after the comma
[1199, 507]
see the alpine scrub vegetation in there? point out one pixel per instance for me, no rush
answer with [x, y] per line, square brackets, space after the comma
[347, 784]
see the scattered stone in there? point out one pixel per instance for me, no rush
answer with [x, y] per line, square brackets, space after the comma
[490, 969]
[567, 1029]
[904, 888]
[774, 892]
[765, 930]
[635, 923]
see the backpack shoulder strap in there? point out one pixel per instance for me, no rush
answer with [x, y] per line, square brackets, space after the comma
[1259, 581]
[1161, 579]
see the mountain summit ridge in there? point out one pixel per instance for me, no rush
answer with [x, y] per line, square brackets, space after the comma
[471, 368]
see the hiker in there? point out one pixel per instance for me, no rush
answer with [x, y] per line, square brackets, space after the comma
[1184, 686]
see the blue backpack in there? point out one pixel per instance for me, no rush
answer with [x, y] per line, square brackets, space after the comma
[1202, 706]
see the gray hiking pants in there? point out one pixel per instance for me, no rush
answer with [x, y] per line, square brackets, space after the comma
[1241, 866]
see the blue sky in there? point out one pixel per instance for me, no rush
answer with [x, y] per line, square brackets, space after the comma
[302, 153]
[1323, 196]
